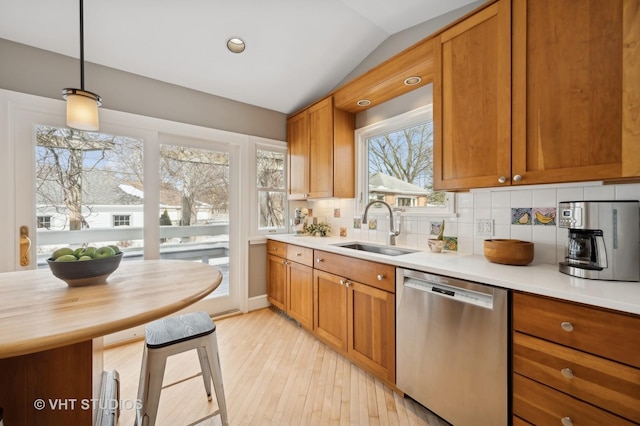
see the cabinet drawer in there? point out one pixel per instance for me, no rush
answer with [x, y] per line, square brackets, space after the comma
[300, 254]
[276, 247]
[610, 334]
[375, 274]
[542, 405]
[607, 384]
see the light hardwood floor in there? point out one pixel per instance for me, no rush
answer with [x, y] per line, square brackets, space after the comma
[274, 373]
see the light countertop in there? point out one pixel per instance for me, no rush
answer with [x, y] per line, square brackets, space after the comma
[541, 279]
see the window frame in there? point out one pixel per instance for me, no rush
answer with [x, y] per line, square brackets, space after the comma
[395, 123]
[281, 149]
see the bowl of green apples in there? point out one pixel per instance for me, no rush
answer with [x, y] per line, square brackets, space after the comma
[85, 266]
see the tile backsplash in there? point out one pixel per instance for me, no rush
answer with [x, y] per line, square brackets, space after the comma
[523, 213]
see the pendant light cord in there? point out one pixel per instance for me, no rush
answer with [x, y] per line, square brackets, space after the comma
[81, 45]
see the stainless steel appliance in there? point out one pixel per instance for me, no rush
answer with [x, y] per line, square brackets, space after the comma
[451, 345]
[603, 241]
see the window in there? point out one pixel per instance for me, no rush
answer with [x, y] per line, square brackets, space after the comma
[272, 191]
[395, 163]
[44, 222]
[121, 220]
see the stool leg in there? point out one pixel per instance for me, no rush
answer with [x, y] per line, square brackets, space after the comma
[142, 385]
[154, 374]
[206, 370]
[216, 373]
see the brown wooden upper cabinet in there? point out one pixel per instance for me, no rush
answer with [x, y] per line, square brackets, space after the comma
[321, 152]
[538, 91]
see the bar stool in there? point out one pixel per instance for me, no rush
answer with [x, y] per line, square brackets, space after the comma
[170, 336]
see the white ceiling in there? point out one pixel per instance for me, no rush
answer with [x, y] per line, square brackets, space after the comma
[297, 50]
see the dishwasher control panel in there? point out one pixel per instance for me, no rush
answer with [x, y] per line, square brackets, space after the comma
[450, 290]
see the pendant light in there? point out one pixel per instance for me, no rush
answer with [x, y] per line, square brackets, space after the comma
[82, 105]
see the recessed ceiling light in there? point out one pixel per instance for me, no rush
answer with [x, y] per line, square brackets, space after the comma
[236, 45]
[364, 102]
[412, 81]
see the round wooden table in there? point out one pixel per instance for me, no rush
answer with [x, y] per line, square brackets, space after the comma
[51, 334]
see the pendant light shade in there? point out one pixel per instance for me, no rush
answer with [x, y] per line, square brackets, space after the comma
[82, 105]
[82, 109]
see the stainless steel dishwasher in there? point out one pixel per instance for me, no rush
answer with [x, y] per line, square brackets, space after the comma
[451, 338]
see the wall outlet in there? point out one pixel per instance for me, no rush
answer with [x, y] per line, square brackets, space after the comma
[484, 227]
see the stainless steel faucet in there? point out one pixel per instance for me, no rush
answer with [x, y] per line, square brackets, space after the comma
[391, 238]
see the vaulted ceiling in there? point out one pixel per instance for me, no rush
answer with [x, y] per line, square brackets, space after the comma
[297, 50]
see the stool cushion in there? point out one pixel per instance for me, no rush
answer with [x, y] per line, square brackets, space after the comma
[176, 329]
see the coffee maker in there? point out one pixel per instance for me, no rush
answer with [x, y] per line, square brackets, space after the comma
[603, 241]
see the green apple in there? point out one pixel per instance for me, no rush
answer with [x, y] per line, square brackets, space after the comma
[77, 252]
[62, 252]
[88, 251]
[116, 249]
[103, 252]
[66, 258]
[85, 258]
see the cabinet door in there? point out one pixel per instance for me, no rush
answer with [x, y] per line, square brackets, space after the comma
[330, 309]
[472, 101]
[300, 294]
[276, 281]
[298, 146]
[567, 90]
[321, 149]
[371, 326]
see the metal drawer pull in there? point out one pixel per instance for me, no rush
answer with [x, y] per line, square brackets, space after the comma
[380, 277]
[566, 421]
[566, 326]
[567, 373]
[347, 283]
[318, 260]
[341, 282]
[298, 254]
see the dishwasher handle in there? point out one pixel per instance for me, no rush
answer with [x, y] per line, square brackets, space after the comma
[457, 294]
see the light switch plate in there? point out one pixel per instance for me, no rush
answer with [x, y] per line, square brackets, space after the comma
[484, 227]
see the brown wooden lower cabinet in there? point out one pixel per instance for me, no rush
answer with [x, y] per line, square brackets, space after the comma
[330, 309]
[371, 329]
[358, 321]
[574, 364]
[542, 405]
[300, 294]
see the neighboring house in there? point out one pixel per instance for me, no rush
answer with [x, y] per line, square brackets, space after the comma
[107, 202]
[395, 191]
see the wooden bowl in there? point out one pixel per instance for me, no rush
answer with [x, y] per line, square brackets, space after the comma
[85, 272]
[508, 252]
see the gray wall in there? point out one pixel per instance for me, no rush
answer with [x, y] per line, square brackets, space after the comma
[257, 269]
[39, 72]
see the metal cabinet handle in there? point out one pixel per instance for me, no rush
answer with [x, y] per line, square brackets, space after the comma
[517, 178]
[298, 254]
[347, 284]
[566, 421]
[341, 282]
[380, 277]
[502, 179]
[566, 326]
[318, 260]
[567, 373]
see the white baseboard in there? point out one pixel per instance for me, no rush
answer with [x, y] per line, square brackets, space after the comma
[257, 302]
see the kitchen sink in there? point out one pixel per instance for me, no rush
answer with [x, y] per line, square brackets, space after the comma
[373, 248]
